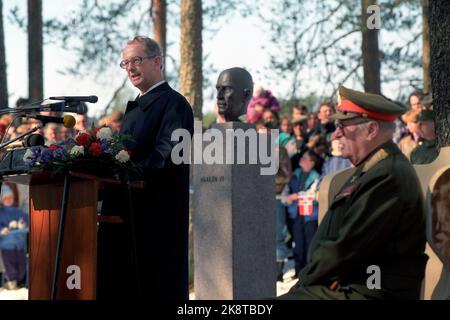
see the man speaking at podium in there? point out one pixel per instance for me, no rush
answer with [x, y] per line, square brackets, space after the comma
[161, 208]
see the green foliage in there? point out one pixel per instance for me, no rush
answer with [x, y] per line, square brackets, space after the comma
[311, 101]
[322, 42]
[95, 32]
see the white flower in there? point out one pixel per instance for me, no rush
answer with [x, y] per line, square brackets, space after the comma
[104, 134]
[13, 224]
[28, 156]
[77, 150]
[122, 156]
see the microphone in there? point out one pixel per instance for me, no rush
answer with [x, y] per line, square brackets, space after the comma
[78, 108]
[30, 141]
[67, 121]
[90, 99]
[73, 107]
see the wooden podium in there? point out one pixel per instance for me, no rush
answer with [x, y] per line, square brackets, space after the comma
[79, 245]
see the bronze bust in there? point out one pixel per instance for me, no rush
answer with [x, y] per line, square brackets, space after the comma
[234, 90]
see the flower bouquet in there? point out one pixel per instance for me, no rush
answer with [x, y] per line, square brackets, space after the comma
[96, 151]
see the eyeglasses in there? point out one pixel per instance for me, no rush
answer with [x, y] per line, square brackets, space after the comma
[135, 61]
[348, 122]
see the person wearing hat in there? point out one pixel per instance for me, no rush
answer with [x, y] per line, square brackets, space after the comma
[426, 150]
[376, 221]
[410, 141]
[427, 101]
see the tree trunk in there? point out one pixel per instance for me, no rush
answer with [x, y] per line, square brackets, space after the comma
[191, 78]
[159, 25]
[426, 46]
[35, 56]
[439, 67]
[3, 77]
[370, 51]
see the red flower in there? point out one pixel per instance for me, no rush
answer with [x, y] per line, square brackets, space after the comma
[83, 139]
[54, 147]
[95, 149]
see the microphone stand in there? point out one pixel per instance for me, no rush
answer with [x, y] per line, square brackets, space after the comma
[39, 126]
[37, 108]
[60, 236]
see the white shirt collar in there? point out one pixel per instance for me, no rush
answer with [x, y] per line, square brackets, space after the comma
[152, 87]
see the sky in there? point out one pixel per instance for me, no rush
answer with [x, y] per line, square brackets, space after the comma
[224, 50]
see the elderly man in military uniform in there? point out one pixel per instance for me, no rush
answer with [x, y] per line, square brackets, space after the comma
[376, 221]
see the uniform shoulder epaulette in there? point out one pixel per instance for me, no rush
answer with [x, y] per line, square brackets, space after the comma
[377, 157]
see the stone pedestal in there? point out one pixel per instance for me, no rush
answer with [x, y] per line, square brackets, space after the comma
[234, 225]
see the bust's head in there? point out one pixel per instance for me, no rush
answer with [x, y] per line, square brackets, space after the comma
[234, 90]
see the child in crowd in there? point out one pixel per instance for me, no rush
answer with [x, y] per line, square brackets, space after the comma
[302, 206]
[13, 240]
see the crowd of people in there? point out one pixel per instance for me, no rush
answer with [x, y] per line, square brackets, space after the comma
[307, 154]
[308, 151]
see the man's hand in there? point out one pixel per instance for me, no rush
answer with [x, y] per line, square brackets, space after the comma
[4, 231]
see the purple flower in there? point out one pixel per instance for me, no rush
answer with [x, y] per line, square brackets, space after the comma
[106, 147]
[58, 154]
[45, 157]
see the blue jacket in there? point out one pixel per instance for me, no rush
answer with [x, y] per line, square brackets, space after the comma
[16, 238]
[294, 187]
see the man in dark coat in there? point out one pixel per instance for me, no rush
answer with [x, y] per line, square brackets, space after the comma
[426, 150]
[370, 244]
[161, 208]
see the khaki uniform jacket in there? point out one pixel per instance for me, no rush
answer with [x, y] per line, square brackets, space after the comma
[377, 218]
